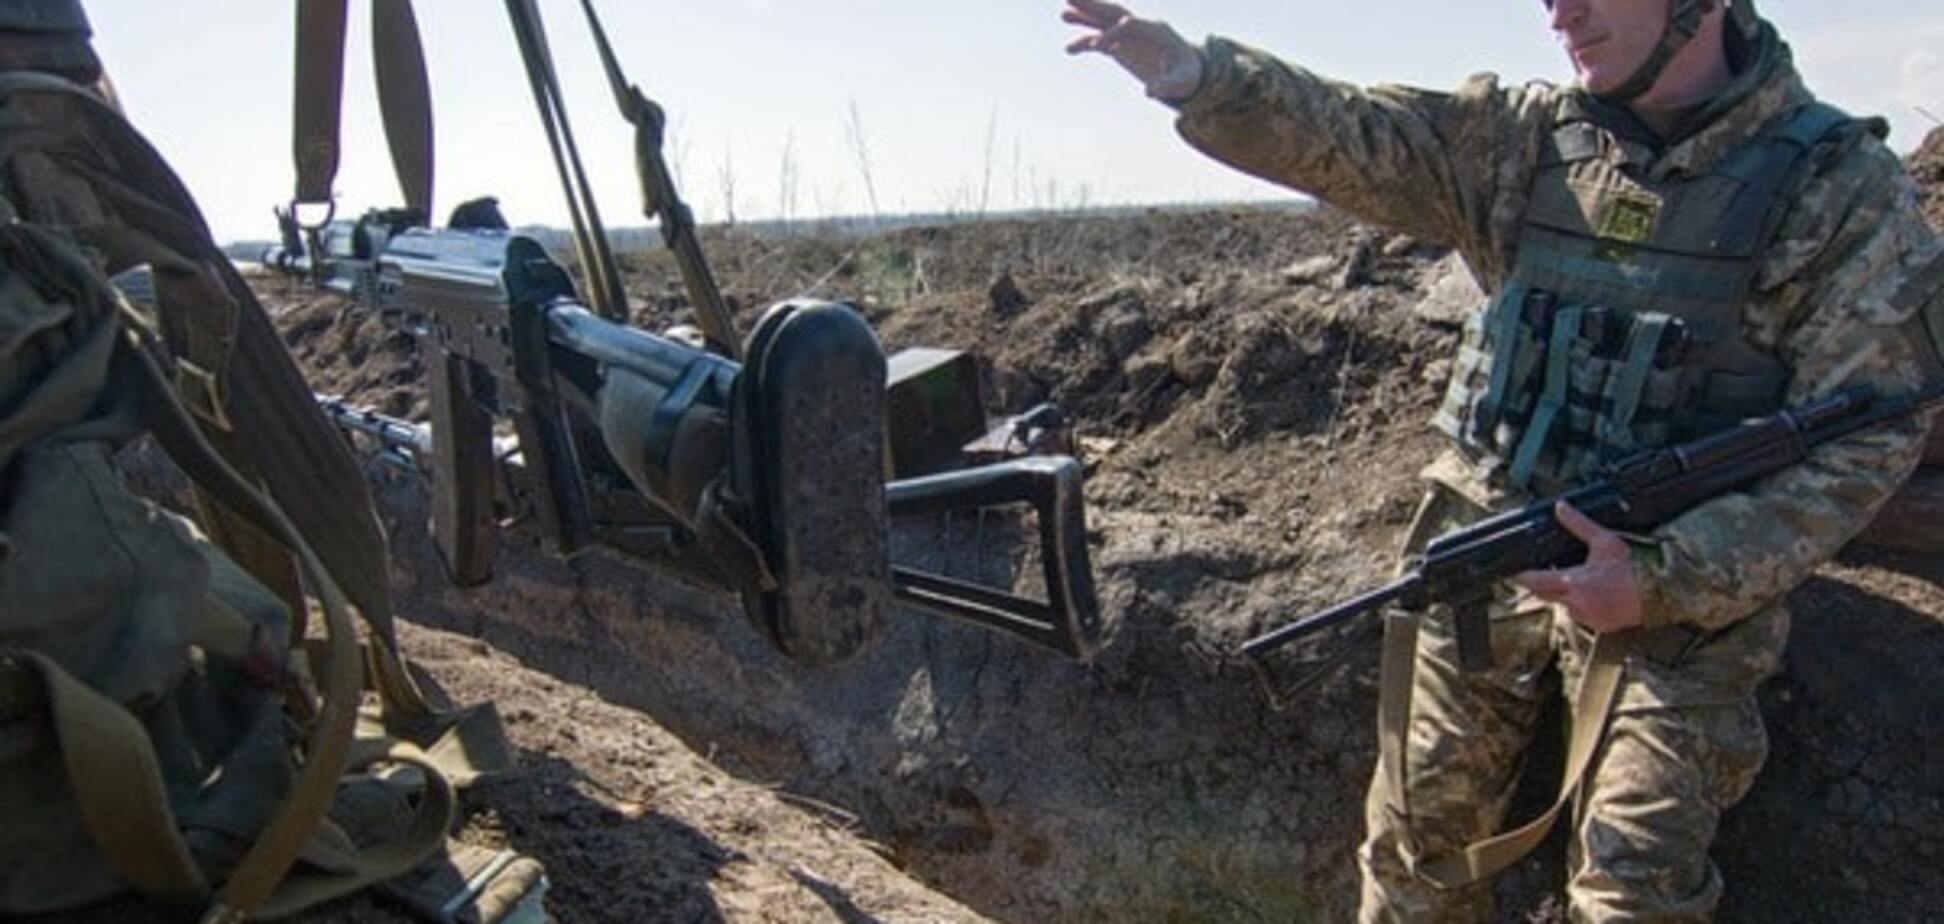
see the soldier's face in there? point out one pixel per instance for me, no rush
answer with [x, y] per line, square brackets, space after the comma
[1607, 40]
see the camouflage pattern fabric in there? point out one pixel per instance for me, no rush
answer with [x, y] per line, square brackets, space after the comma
[1455, 168]
[1682, 745]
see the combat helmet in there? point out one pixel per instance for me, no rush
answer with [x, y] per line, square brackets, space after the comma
[47, 35]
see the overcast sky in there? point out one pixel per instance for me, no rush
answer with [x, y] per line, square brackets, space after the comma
[956, 104]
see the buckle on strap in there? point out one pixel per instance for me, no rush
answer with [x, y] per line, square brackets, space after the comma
[203, 393]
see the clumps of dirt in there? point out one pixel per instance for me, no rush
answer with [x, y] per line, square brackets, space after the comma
[345, 350]
[635, 826]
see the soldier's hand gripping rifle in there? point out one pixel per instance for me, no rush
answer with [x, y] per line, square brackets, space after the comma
[764, 476]
[1638, 494]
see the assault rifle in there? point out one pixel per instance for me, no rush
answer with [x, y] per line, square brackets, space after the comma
[1636, 495]
[764, 476]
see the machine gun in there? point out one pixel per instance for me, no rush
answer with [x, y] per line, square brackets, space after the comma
[763, 475]
[1640, 493]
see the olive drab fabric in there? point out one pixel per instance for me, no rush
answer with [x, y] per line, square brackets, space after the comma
[1619, 328]
[123, 618]
[1824, 307]
[161, 728]
[69, 162]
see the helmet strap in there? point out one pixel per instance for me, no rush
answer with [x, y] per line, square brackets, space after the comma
[1683, 21]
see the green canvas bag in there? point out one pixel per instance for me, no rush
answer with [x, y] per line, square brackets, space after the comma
[152, 705]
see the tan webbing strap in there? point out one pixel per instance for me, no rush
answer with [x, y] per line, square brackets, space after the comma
[276, 848]
[1394, 716]
[404, 99]
[117, 784]
[464, 744]
[1599, 690]
[436, 809]
[319, 92]
[659, 200]
[206, 330]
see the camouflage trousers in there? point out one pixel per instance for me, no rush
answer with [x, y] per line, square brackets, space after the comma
[1684, 742]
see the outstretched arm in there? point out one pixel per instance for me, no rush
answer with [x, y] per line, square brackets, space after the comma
[1447, 167]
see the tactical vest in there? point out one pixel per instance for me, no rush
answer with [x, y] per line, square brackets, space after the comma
[1619, 326]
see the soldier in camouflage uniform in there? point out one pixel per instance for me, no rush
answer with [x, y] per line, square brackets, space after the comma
[1683, 238]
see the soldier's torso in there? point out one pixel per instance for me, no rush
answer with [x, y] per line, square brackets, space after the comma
[1619, 326]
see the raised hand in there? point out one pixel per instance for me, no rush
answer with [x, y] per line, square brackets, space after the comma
[1169, 67]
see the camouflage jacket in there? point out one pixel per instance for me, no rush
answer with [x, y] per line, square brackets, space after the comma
[1455, 168]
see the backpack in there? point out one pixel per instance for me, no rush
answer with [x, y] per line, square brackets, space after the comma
[165, 725]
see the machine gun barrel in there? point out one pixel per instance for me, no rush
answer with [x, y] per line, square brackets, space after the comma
[411, 442]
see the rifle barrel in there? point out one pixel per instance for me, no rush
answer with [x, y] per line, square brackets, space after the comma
[1324, 619]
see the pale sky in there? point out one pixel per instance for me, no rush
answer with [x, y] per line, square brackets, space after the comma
[954, 102]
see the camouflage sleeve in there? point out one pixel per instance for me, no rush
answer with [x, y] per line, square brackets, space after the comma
[1835, 310]
[1450, 168]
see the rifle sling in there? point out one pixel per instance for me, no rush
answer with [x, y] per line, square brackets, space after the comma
[117, 782]
[601, 273]
[1479, 860]
[658, 196]
[404, 98]
[319, 93]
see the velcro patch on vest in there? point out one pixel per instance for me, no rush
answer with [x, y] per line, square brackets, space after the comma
[1629, 217]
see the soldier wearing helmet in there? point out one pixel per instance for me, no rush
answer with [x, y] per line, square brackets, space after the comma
[1684, 238]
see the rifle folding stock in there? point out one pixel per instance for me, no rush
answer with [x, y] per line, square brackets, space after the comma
[763, 476]
[1070, 616]
[1636, 495]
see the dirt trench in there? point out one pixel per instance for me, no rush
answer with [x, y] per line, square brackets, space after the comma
[1254, 387]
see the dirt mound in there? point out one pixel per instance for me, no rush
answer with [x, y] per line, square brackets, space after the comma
[345, 351]
[635, 826]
